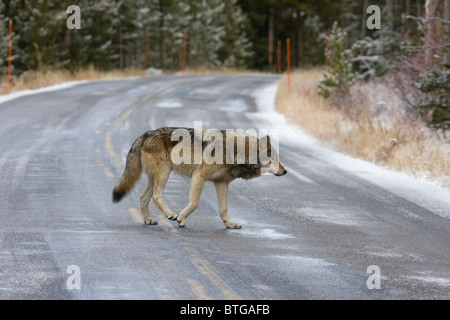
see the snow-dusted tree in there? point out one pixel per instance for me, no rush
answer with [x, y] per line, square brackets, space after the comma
[374, 56]
[435, 106]
[339, 76]
[176, 24]
[114, 34]
[236, 46]
[36, 32]
[206, 33]
[216, 34]
[4, 39]
[315, 40]
[431, 37]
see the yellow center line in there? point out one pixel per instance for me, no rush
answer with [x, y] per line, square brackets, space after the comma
[108, 173]
[202, 265]
[118, 123]
[198, 290]
[208, 270]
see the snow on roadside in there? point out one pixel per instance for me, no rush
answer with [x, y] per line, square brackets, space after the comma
[56, 87]
[426, 193]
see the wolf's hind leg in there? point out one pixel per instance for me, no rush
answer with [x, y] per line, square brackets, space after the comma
[160, 180]
[145, 200]
[197, 184]
[222, 199]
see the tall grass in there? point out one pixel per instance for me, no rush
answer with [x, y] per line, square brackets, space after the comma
[373, 124]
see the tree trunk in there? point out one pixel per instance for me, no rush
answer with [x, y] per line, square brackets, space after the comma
[161, 35]
[147, 47]
[364, 19]
[120, 48]
[430, 32]
[67, 34]
[390, 14]
[299, 48]
[447, 29]
[270, 38]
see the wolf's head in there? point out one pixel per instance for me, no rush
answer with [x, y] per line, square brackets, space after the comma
[252, 156]
[268, 158]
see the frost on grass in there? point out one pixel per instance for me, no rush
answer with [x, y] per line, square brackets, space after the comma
[374, 123]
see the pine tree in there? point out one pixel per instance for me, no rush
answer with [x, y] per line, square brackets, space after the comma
[436, 106]
[206, 35]
[339, 76]
[236, 48]
[113, 34]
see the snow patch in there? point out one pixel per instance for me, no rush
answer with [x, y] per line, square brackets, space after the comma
[234, 106]
[443, 282]
[265, 98]
[305, 261]
[52, 88]
[266, 233]
[329, 216]
[169, 104]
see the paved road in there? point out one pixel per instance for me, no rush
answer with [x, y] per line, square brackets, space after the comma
[310, 234]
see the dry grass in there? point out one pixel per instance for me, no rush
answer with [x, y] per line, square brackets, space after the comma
[208, 71]
[44, 78]
[372, 125]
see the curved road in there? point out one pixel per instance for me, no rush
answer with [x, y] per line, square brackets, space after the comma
[311, 234]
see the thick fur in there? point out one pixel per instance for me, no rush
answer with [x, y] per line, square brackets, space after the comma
[151, 153]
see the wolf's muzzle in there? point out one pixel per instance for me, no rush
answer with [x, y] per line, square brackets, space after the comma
[282, 173]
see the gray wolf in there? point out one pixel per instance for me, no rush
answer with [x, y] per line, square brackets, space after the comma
[153, 153]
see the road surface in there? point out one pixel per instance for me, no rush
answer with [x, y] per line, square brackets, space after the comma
[320, 232]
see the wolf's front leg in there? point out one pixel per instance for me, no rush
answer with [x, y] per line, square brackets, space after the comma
[197, 184]
[222, 199]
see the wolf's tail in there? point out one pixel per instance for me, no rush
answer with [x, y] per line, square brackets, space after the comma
[132, 173]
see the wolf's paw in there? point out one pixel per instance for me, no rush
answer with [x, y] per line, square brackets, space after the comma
[181, 222]
[172, 217]
[150, 222]
[233, 225]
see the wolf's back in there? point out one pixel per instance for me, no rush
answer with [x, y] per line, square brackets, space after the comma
[132, 173]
